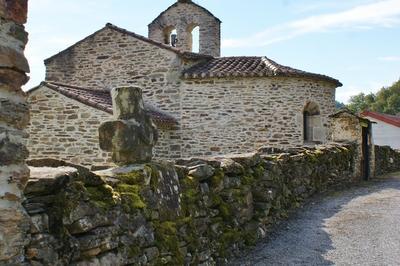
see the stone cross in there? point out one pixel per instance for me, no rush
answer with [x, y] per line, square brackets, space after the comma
[132, 135]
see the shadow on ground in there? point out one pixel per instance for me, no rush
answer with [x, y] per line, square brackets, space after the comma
[303, 239]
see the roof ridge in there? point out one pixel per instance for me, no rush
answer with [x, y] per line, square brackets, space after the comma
[137, 36]
[239, 66]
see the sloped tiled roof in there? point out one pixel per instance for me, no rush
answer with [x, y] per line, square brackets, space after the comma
[101, 100]
[187, 55]
[393, 120]
[248, 66]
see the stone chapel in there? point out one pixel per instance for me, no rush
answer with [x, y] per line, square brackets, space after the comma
[203, 104]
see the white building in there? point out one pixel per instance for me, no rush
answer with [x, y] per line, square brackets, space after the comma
[386, 131]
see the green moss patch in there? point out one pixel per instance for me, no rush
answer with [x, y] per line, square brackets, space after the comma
[102, 196]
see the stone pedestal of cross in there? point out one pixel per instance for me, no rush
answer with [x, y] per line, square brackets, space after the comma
[132, 135]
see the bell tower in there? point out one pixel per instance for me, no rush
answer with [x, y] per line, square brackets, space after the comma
[176, 24]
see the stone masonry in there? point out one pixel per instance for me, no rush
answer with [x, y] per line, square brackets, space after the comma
[240, 115]
[65, 129]
[132, 136]
[198, 212]
[184, 16]
[14, 117]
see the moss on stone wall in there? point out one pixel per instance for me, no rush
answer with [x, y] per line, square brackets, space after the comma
[208, 212]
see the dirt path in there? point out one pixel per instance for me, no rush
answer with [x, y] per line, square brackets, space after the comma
[358, 226]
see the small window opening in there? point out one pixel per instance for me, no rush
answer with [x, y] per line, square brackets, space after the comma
[170, 36]
[310, 113]
[196, 39]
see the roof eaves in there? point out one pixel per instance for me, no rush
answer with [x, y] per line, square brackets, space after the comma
[188, 55]
[382, 117]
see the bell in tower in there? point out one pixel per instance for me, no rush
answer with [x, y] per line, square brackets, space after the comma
[176, 24]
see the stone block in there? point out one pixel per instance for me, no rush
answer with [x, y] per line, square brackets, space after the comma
[14, 113]
[11, 80]
[10, 58]
[15, 10]
[11, 152]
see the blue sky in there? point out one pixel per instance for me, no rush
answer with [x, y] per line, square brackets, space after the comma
[355, 41]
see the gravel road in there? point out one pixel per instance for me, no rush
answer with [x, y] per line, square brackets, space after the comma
[356, 226]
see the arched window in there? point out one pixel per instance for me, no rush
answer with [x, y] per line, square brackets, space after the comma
[310, 120]
[170, 36]
[193, 32]
[196, 39]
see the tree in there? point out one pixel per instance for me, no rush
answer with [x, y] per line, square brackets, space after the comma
[361, 102]
[340, 105]
[386, 101]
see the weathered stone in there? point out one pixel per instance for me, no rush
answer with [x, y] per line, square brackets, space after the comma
[11, 152]
[13, 113]
[12, 80]
[15, 10]
[202, 172]
[130, 140]
[44, 180]
[14, 116]
[231, 167]
[9, 58]
[151, 253]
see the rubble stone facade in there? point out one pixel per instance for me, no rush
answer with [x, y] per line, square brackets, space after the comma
[183, 17]
[221, 116]
[62, 128]
[14, 117]
[65, 129]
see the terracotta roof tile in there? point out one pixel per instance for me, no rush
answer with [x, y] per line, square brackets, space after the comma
[247, 66]
[101, 99]
[393, 120]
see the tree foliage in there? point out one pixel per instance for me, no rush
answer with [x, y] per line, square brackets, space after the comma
[386, 101]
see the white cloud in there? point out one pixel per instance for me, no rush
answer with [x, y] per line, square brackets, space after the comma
[385, 13]
[390, 58]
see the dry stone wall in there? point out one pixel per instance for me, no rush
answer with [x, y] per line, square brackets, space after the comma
[14, 117]
[387, 160]
[200, 211]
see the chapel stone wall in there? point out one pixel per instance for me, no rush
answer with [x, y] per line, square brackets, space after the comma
[221, 116]
[64, 129]
[110, 59]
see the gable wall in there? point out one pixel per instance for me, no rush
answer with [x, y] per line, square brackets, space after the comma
[64, 129]
[222, 116]
[111, 59]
